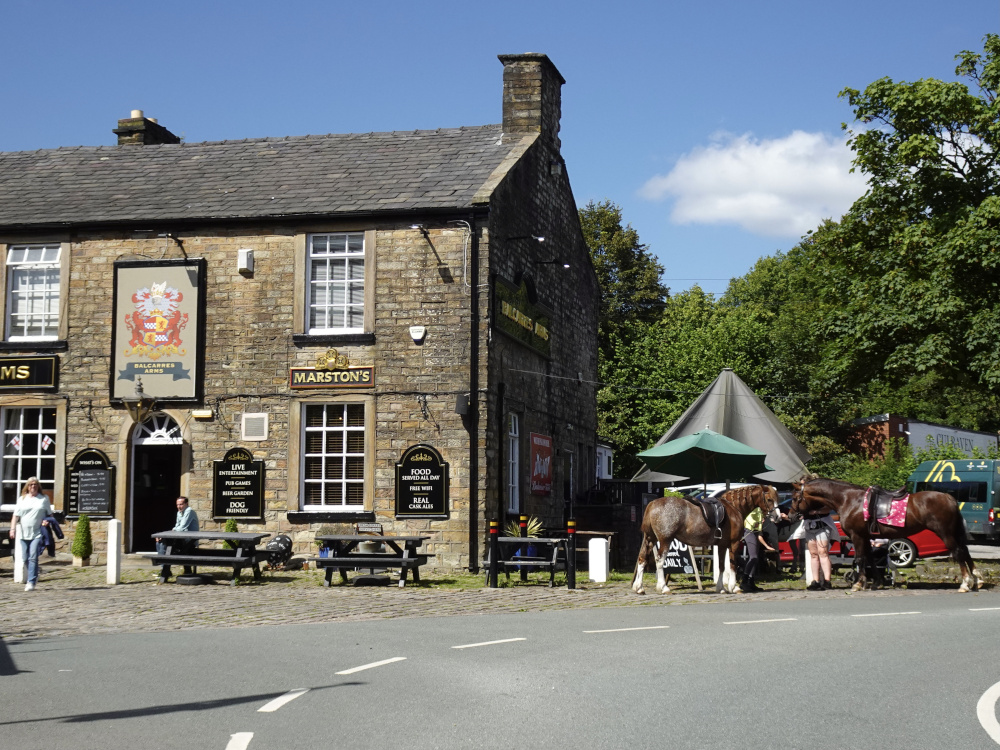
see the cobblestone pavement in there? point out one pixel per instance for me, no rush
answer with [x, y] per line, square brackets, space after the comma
[73, 601]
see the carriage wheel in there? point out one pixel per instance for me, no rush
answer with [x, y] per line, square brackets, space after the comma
[850, 576]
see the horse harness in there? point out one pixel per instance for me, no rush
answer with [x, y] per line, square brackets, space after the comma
[879, 504]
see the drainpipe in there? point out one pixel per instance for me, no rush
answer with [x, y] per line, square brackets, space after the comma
[474, 399]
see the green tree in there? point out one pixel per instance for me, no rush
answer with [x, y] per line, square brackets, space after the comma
[906, 286]
[628, 273]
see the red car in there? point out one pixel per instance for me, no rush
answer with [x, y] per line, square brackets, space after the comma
[903, 553]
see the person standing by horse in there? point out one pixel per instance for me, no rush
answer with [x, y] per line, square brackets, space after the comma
[753, 537]
[818, 529]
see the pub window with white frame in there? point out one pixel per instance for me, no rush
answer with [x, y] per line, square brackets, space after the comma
[29, 449]
[33, 279]
[336, 283]
[333, 457]
[513, 465]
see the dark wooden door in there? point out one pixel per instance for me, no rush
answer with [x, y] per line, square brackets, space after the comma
[156, 483]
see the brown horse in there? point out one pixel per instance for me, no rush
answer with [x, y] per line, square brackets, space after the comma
[936, 511]
[669, 518]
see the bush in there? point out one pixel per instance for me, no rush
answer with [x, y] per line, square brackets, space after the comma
[83, 545]
[231, 526]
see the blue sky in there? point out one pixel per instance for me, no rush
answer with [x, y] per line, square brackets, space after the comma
[714, 125]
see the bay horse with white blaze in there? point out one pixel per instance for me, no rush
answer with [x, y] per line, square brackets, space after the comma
[937, 511]
[669, 518]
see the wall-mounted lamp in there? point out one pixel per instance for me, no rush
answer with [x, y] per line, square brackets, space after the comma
[244, 261]
[534, 237]
[202, 413]
[553, 262]
[420, 228]
[418, 334]
[140, 406]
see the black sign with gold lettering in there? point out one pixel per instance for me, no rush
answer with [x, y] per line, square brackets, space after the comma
[238, 486]
[421, 484]
[28, 373]
[90, 480]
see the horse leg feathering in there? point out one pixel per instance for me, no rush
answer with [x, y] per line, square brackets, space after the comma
[640, 566]
[660, 553]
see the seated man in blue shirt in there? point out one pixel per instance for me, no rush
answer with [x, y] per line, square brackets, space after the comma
[187, 520]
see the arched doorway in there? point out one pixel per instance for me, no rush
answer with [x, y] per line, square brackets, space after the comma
[157, 447]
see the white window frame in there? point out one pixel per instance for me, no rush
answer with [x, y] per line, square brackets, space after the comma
[513, 465]
[33, 303]
[350, 484]
[29, 448]
[335, 283]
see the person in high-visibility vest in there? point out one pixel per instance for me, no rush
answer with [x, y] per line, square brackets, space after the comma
[753, 525]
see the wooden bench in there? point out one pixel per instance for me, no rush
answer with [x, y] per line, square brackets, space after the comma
[245, 555]
[508, 558]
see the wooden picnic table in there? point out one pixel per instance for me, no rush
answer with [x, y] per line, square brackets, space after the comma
[343, 555]
[182, 549]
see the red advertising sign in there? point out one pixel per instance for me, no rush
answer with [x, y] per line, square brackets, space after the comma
[541, 464]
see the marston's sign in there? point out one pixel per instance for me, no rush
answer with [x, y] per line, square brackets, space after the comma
[332, 370]
[354, 377]
[21, 373]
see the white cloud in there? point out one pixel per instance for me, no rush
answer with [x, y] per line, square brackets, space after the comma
[774, 188]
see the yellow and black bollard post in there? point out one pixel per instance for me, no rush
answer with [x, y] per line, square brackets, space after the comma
[494, 553]
[571, 554]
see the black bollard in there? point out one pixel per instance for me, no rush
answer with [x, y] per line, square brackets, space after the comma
[494, 553]
[523, 523]
[571, 554]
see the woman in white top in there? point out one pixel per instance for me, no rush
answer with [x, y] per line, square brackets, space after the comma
[30, 513]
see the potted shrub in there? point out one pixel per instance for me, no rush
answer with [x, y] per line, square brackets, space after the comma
[231, 526]
[83, 545]
[534, 529]
[324, 531]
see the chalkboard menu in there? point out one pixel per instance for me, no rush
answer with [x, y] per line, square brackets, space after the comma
[90, 482]
[678, 558]
[238, 486]
[421, 484]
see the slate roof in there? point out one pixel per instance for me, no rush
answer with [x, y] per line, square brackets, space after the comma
[266, 177]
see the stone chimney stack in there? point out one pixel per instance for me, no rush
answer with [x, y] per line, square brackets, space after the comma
[142, 131]
[532, 95]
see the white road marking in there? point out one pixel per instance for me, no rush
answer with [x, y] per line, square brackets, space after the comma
[623, 630]
[281, 700]
[490, 643]
[986, 712]
[984, 609]
[239, 741]
[755, 622]
[374, 664]
[886, 614]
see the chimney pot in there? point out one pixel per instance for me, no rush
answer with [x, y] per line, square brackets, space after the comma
[136, 114]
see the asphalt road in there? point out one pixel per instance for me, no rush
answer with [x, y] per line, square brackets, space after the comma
[839, 672]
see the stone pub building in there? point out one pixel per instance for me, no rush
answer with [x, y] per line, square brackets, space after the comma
[303, 332]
